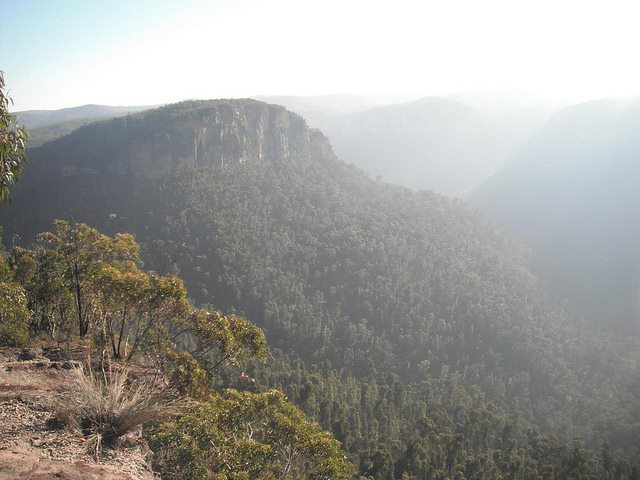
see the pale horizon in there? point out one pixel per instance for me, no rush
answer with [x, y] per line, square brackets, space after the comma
[70, 53]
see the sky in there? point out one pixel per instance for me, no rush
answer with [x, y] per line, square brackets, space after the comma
[62, 53]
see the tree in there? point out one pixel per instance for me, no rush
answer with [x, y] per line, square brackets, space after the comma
[83, 251]
[12, 149]
[242, 435]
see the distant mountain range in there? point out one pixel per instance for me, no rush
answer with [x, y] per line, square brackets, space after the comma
[571, 192]
[45, 125]
[319, 110]
[45, 118]
[432, 143]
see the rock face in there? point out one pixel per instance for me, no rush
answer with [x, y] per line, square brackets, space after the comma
[105, 167]
[207, 133]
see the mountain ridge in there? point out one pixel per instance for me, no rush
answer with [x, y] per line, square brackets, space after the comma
[433, 142]
[43, 118]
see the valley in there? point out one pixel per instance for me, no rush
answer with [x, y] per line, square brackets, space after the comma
[402, 321]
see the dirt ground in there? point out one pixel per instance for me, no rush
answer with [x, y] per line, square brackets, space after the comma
[31, 385]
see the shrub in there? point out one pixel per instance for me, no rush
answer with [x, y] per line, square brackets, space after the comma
[242, 435]
[14, 315]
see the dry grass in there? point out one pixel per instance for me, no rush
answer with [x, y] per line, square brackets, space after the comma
[109, 406]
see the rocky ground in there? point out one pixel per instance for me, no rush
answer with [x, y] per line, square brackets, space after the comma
[33, 383]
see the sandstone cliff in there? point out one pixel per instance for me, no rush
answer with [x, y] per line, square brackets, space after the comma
[195, 133]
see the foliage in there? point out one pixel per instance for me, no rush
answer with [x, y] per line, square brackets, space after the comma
[126, 308]
[12, 145]
[14, 315]
[239, 435]
[187, 374]
[82, 251]
[49, 300]
[133, 312]
[222, 339]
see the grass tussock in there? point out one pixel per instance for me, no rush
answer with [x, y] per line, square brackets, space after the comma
[108, 406]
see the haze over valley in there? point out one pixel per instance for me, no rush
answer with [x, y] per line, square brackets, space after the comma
[243, 272]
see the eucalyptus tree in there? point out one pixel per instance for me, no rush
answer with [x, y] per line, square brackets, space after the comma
[12, 145]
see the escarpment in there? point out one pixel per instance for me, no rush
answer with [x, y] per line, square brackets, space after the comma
[195, 133]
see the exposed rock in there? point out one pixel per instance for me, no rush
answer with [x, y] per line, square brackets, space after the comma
[29, 354]
[206, 133]
[54, 354]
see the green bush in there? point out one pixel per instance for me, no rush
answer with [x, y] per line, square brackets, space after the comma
[14, 315]
[241, 435]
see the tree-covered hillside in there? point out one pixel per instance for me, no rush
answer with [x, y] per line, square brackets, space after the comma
[401, 321]
[85, 291]
[572, 194]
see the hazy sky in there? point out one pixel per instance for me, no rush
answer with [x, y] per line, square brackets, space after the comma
[65, 53]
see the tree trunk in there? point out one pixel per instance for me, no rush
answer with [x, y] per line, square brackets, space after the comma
[76, 277]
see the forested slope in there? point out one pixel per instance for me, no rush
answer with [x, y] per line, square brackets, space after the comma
[571, 193]
[401, 321]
